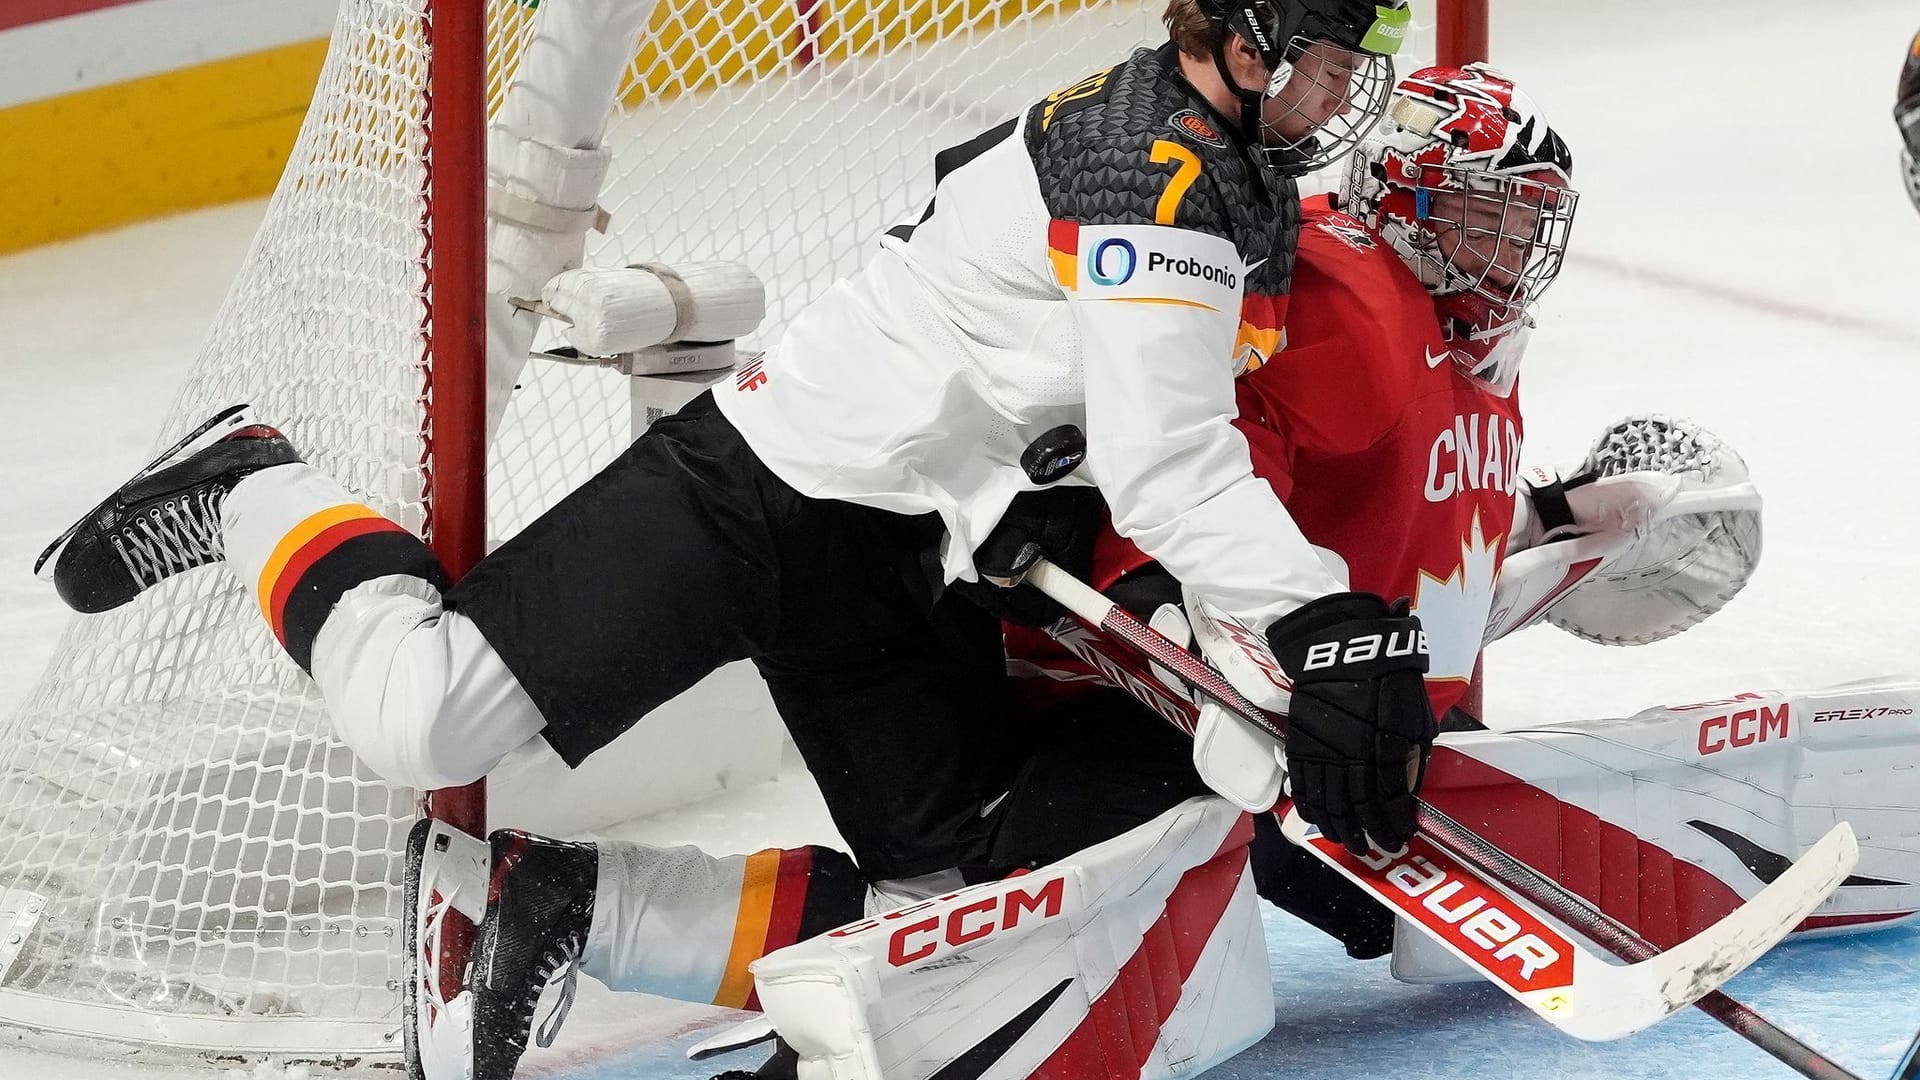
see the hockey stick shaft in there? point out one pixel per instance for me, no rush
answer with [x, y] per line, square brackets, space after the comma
[1095, 610]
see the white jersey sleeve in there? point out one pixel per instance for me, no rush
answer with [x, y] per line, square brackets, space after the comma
[1158, 310]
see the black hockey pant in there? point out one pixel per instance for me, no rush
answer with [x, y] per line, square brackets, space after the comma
[686, 553]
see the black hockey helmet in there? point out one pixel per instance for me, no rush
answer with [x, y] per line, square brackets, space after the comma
[1283, 32]
[1906, 113]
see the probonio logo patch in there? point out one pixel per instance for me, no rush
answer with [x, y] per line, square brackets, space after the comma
[1112, 261]
[1193, 268]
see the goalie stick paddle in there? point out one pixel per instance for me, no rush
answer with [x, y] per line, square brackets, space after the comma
[1655, 984]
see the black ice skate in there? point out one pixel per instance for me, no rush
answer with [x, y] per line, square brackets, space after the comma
[539, 909]
[164, 520]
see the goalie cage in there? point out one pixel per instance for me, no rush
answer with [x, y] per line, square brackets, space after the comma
[190, 863]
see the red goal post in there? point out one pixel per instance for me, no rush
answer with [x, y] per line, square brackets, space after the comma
[1461, 38]
[1461, 32]
[454, 431]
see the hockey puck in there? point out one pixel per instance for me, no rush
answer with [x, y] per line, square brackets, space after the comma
[1054, 454]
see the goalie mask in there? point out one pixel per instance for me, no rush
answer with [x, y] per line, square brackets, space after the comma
[1468, 183]
[1906, 113]
[1331, 65]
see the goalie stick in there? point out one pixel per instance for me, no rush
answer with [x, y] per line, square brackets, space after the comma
[1575, 990]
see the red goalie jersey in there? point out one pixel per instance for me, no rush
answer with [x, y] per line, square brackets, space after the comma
[1391, 459]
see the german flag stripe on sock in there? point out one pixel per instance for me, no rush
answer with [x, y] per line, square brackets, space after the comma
[786, 896]
[836, 896]
[322, 558]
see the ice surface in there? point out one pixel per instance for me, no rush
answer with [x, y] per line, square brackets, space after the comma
[1744, 257]
[1339, 1019]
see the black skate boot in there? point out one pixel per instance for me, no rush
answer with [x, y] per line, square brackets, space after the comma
[539, 909]
[164, 520]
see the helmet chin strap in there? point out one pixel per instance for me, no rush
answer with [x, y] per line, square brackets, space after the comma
[1250, 100]
[1252, 125]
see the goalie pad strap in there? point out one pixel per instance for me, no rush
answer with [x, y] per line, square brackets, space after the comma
[1549, 502]
[534, 214]
[683, 303]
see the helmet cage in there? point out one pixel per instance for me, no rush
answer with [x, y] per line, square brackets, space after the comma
[1365, 33]
[1324, 67]
[1463, 175]
[1485, 217]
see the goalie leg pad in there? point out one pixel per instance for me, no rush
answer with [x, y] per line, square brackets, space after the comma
[624, 310]
[1141, 957]
[546, 151]
[546, 159]
[1670, 818]
[540, 202]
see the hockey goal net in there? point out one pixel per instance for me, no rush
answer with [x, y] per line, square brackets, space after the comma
[188, 858]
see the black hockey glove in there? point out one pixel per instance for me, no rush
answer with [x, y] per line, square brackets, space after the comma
[1360, 727]
[1058, 524]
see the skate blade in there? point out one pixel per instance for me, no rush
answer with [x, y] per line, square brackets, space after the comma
[459, 870]
[223, 423]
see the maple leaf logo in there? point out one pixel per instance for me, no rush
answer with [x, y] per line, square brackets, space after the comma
[1453, 610]
[1349, 230]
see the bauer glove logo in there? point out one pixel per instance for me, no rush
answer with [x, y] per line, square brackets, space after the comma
[1365, 647]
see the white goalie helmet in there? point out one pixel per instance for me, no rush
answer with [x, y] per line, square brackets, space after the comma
[1471, 186]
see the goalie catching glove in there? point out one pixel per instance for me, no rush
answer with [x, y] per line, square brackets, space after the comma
[1361, 726]
[1657, 529]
